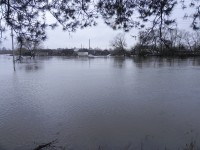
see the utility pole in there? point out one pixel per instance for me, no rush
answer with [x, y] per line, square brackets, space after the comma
[12, 35]
[89, 44]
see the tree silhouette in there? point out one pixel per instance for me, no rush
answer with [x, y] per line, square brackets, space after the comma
[28, 18]
[119, 13]
[24, 17]
[119, 42]
[160, 11]
[194, 15]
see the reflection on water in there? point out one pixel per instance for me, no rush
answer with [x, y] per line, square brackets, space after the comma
[158, 62]
[102, 103]
[30, 67]
[119, 62]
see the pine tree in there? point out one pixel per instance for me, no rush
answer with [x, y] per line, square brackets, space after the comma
[160, 11]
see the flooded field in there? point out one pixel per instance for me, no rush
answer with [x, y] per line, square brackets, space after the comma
[101, 103]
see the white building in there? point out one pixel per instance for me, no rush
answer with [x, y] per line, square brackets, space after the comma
[82, 54]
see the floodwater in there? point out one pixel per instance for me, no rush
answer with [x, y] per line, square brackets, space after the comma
[102, 103]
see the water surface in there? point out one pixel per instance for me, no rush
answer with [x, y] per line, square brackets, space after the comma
[101, 103]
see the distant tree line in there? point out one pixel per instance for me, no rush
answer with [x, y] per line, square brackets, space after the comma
[174, 42]
[5, 52]
[59, 52]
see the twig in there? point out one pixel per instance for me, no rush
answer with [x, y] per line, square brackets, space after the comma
[42, 146]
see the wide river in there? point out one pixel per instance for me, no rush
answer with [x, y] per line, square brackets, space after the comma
[100, 104]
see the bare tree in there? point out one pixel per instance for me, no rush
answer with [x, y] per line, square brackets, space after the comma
[196, 40]
[187, 39]
[119, 42]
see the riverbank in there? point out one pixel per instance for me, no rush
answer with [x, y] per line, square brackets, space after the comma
[103, 53]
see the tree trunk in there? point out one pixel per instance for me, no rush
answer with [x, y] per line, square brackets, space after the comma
[20, 52]
[161, 23]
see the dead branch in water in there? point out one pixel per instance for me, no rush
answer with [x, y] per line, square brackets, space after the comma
[46, 145]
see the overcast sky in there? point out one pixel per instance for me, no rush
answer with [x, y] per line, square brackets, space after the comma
[100, 36]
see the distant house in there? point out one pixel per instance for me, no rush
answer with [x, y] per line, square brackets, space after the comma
[82, 54]
[76, 49]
